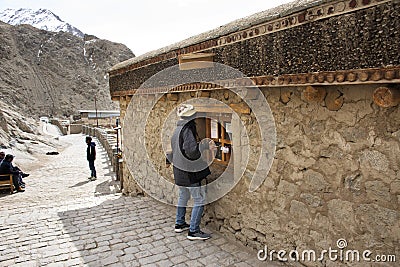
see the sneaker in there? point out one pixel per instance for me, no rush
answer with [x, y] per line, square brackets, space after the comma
[199, 235]
[25, 175]
[179, 228]
[93, 178]
[90, 178]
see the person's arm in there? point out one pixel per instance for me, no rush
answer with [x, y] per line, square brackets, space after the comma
[12, 169]
[190, 145]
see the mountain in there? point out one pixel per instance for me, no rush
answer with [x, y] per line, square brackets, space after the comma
[42, 19]
[55, 73]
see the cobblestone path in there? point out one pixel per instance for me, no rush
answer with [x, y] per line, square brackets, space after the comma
[64, 220]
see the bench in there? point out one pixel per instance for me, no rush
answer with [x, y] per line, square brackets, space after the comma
[7, 180]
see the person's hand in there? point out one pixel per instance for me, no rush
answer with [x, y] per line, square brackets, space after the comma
[212, 145]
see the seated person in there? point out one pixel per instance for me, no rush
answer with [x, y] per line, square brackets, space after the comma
[23, 175]
[2, 156]
[6, 167]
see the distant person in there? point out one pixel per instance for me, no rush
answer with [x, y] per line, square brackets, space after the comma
[91, 156]
[185, 153]
[6, 167]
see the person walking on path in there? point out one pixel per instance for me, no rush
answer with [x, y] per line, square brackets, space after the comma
[91, 156]
[189, 170]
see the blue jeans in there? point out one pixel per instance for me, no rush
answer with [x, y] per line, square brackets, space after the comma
[92, 168]
[198, 195]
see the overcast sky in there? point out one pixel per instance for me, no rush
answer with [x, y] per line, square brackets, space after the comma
[147, 24]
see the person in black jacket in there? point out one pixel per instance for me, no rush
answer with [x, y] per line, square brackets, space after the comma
[189, 170]
[91, 156]
[6, 167]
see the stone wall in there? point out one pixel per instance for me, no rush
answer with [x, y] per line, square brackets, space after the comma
[336, 174]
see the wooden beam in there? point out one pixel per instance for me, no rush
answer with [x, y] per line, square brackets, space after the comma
[386, 97]
[240, 108]
[286, 96]
[334, 100]
[172, 97]
[204, 94]
[196, 61]
[212, 108]
[314, 94]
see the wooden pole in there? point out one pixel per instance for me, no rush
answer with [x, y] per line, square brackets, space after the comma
[95, 107]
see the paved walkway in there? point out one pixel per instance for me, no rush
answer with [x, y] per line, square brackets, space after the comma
[64, 220]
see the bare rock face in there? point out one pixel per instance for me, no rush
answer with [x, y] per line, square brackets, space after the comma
[55, 73]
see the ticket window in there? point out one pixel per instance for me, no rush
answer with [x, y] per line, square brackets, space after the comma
[219, 129]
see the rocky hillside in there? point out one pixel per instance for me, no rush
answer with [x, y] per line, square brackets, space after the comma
[55, 73]
[21, 134]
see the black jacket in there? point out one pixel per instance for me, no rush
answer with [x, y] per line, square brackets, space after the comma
[6, 167]
[91, 151]
[187, 165]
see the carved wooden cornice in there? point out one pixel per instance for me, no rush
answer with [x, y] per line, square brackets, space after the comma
[346, 77]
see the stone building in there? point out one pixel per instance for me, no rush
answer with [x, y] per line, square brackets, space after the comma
[309, 136]
[105, 118]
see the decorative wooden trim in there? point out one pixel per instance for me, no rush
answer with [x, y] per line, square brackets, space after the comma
[173, 97]
[240, 108]
[213, 108]
[386, 97]
[285, 96]
[314, 94]
[305, 16]
[196, 61]
[390, 75]
[334, 100]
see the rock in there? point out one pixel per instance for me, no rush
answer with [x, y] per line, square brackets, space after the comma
[374, 159]
[378, 221]
[378, 191]
[341, 213]
[287, 189]
[314, 181]
[395, 186]
[300, 212]
[311, 200]
[249, 233]
[353, 183]
[235, 224]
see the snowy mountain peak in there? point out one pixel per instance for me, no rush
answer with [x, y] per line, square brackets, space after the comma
[43, 19]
